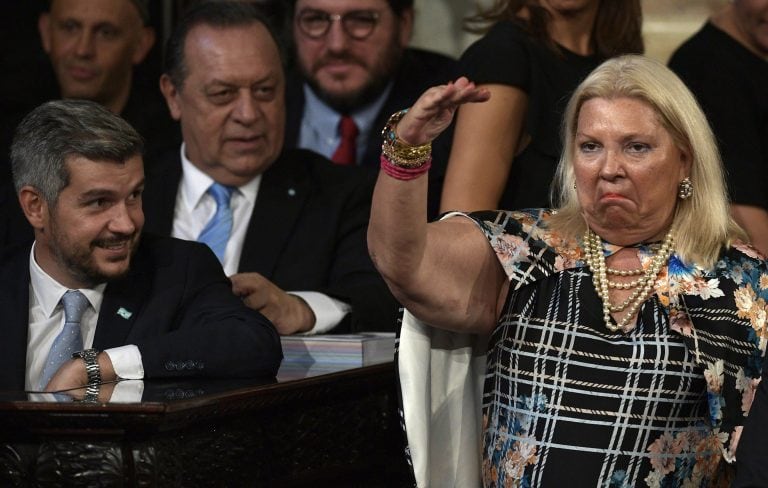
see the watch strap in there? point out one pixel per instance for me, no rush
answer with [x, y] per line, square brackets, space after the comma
[90, 357]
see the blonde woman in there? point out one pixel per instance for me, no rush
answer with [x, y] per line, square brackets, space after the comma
[624, 331]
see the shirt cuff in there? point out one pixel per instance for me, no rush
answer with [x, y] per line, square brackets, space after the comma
[127, 392]
[126, 360]
[328, 311]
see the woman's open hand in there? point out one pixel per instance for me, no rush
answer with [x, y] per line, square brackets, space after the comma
[433, 111]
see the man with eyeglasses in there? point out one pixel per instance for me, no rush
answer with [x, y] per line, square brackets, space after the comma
[354, 69]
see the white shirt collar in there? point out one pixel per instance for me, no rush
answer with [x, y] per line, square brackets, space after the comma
[195, 184]
[324, 120]
[48, 292]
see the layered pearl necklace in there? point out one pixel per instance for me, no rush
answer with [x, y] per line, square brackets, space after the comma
[595, 258]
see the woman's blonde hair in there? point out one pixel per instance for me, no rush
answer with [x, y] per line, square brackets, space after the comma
[702, 223]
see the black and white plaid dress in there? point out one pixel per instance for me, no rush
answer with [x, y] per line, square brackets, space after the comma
[568, 403]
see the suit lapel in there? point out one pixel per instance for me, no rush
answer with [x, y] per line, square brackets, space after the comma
[14, 302]
[283, 192]
[122, 304]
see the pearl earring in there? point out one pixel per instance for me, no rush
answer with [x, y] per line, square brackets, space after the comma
[685, 189]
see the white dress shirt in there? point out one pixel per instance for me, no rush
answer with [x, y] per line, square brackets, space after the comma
[46, 321]
[195, 207]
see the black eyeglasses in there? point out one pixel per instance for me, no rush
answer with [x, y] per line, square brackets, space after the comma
[358, 24]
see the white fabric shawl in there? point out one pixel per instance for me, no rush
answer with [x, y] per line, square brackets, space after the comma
[441, 378]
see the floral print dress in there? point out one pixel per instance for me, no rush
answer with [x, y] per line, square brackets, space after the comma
[566, 402]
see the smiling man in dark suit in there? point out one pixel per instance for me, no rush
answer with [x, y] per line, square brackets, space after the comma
[295, 239]
[144, 306]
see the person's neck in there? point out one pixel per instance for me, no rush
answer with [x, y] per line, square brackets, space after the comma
[727, 21]
[117, 104]
[53, 268]
[630, 237]
[573, 30]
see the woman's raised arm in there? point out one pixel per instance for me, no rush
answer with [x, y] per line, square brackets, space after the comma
[445, 272]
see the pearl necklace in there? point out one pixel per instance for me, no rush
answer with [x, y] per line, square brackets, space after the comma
[595, 258]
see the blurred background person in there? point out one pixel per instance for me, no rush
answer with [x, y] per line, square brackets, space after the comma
[353, 69]
[725, 64]
[531, 58]
[94, 48]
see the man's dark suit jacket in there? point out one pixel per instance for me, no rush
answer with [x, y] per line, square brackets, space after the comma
[307, 232]
[183, 316]
[418, 71]
[14, 226]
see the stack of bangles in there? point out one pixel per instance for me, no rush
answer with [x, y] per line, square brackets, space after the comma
[399, 159]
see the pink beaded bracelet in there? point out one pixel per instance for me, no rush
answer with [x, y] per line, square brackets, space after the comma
[402, 173]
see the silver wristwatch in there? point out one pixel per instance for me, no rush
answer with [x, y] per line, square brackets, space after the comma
[91, 365]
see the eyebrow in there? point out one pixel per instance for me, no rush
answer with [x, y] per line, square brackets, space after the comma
[105, 192]
[271, 76]
[97, 25]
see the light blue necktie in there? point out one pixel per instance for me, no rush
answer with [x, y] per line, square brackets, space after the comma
[70, 339]
[217, 230]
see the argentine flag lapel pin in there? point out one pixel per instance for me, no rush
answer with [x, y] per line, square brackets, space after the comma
[126, 314]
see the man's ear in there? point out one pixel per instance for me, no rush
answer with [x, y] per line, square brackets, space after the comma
[44, 28]
[145, 43]
[34, 206]
[170, 93]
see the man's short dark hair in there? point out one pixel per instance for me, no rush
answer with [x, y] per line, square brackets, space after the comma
[215, 14]
[397, 6]
[56, 130]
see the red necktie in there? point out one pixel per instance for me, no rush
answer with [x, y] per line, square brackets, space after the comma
[346, 153]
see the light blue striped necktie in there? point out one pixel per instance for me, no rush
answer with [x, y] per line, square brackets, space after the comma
[217, 230]
[70, 339]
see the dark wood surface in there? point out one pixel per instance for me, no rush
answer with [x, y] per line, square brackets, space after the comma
[337, 429]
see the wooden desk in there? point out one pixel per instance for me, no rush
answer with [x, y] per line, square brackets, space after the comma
[338, 429]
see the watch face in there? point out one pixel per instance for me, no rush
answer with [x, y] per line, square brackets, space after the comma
[90, 354]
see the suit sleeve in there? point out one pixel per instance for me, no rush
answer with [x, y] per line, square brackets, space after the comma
[354, 278]
[207, 330]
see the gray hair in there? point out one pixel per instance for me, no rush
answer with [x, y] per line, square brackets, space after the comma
[56, 130]
[702, 224]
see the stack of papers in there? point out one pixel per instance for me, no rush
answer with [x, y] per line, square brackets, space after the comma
[318, 354]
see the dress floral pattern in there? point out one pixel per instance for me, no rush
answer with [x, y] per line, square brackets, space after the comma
[660, 405]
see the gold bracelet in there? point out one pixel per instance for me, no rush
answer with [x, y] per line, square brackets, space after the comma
[410, 152]
[399, 152]
[398, 160]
